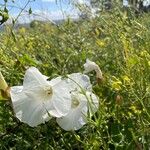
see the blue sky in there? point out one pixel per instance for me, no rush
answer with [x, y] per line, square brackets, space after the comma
[50, 5]
[42, 10]
[45, 9]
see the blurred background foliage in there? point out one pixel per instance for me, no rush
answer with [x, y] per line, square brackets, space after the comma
[119, 42]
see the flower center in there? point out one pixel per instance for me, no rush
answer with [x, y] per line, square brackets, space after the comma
[48, 91]
[75, 102]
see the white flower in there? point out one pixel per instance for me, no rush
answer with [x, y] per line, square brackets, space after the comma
[82, 101]
[38, 98]
[90, 66]
[78, 81]
[77, 116]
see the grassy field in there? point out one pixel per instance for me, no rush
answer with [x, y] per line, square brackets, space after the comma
[119, 44]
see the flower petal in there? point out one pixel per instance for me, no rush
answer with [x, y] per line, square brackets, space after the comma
[76, 117]
[90, 66]
[55, 81]
[93, 102]
[51, 109]
[61, 98]
[27, 109]
[59, 104]
[35, 84]
[73, 121]
[76, 81]
[33, 78]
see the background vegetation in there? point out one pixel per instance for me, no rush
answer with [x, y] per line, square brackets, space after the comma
[119, 42]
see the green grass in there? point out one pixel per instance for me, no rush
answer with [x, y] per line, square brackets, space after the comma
[120, 45]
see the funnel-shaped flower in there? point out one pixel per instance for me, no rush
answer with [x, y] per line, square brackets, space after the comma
[82, 101]
[80, 106]
[90, 66]
[38, 99]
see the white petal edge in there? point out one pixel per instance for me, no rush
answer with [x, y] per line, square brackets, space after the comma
[34, 78]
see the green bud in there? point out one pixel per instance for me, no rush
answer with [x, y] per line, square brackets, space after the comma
[4, 89]
[3, 84]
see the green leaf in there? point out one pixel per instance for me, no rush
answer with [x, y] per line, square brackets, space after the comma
[4, 16]
[30, 11]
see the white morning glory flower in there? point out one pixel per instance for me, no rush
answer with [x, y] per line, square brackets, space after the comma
[77, 116]
[38, 98]
[90, 66]
[82, 101]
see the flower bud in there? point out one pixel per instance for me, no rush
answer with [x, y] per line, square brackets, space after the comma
[119, 99]
[4, 89]
[90, 66]
[3, 84]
